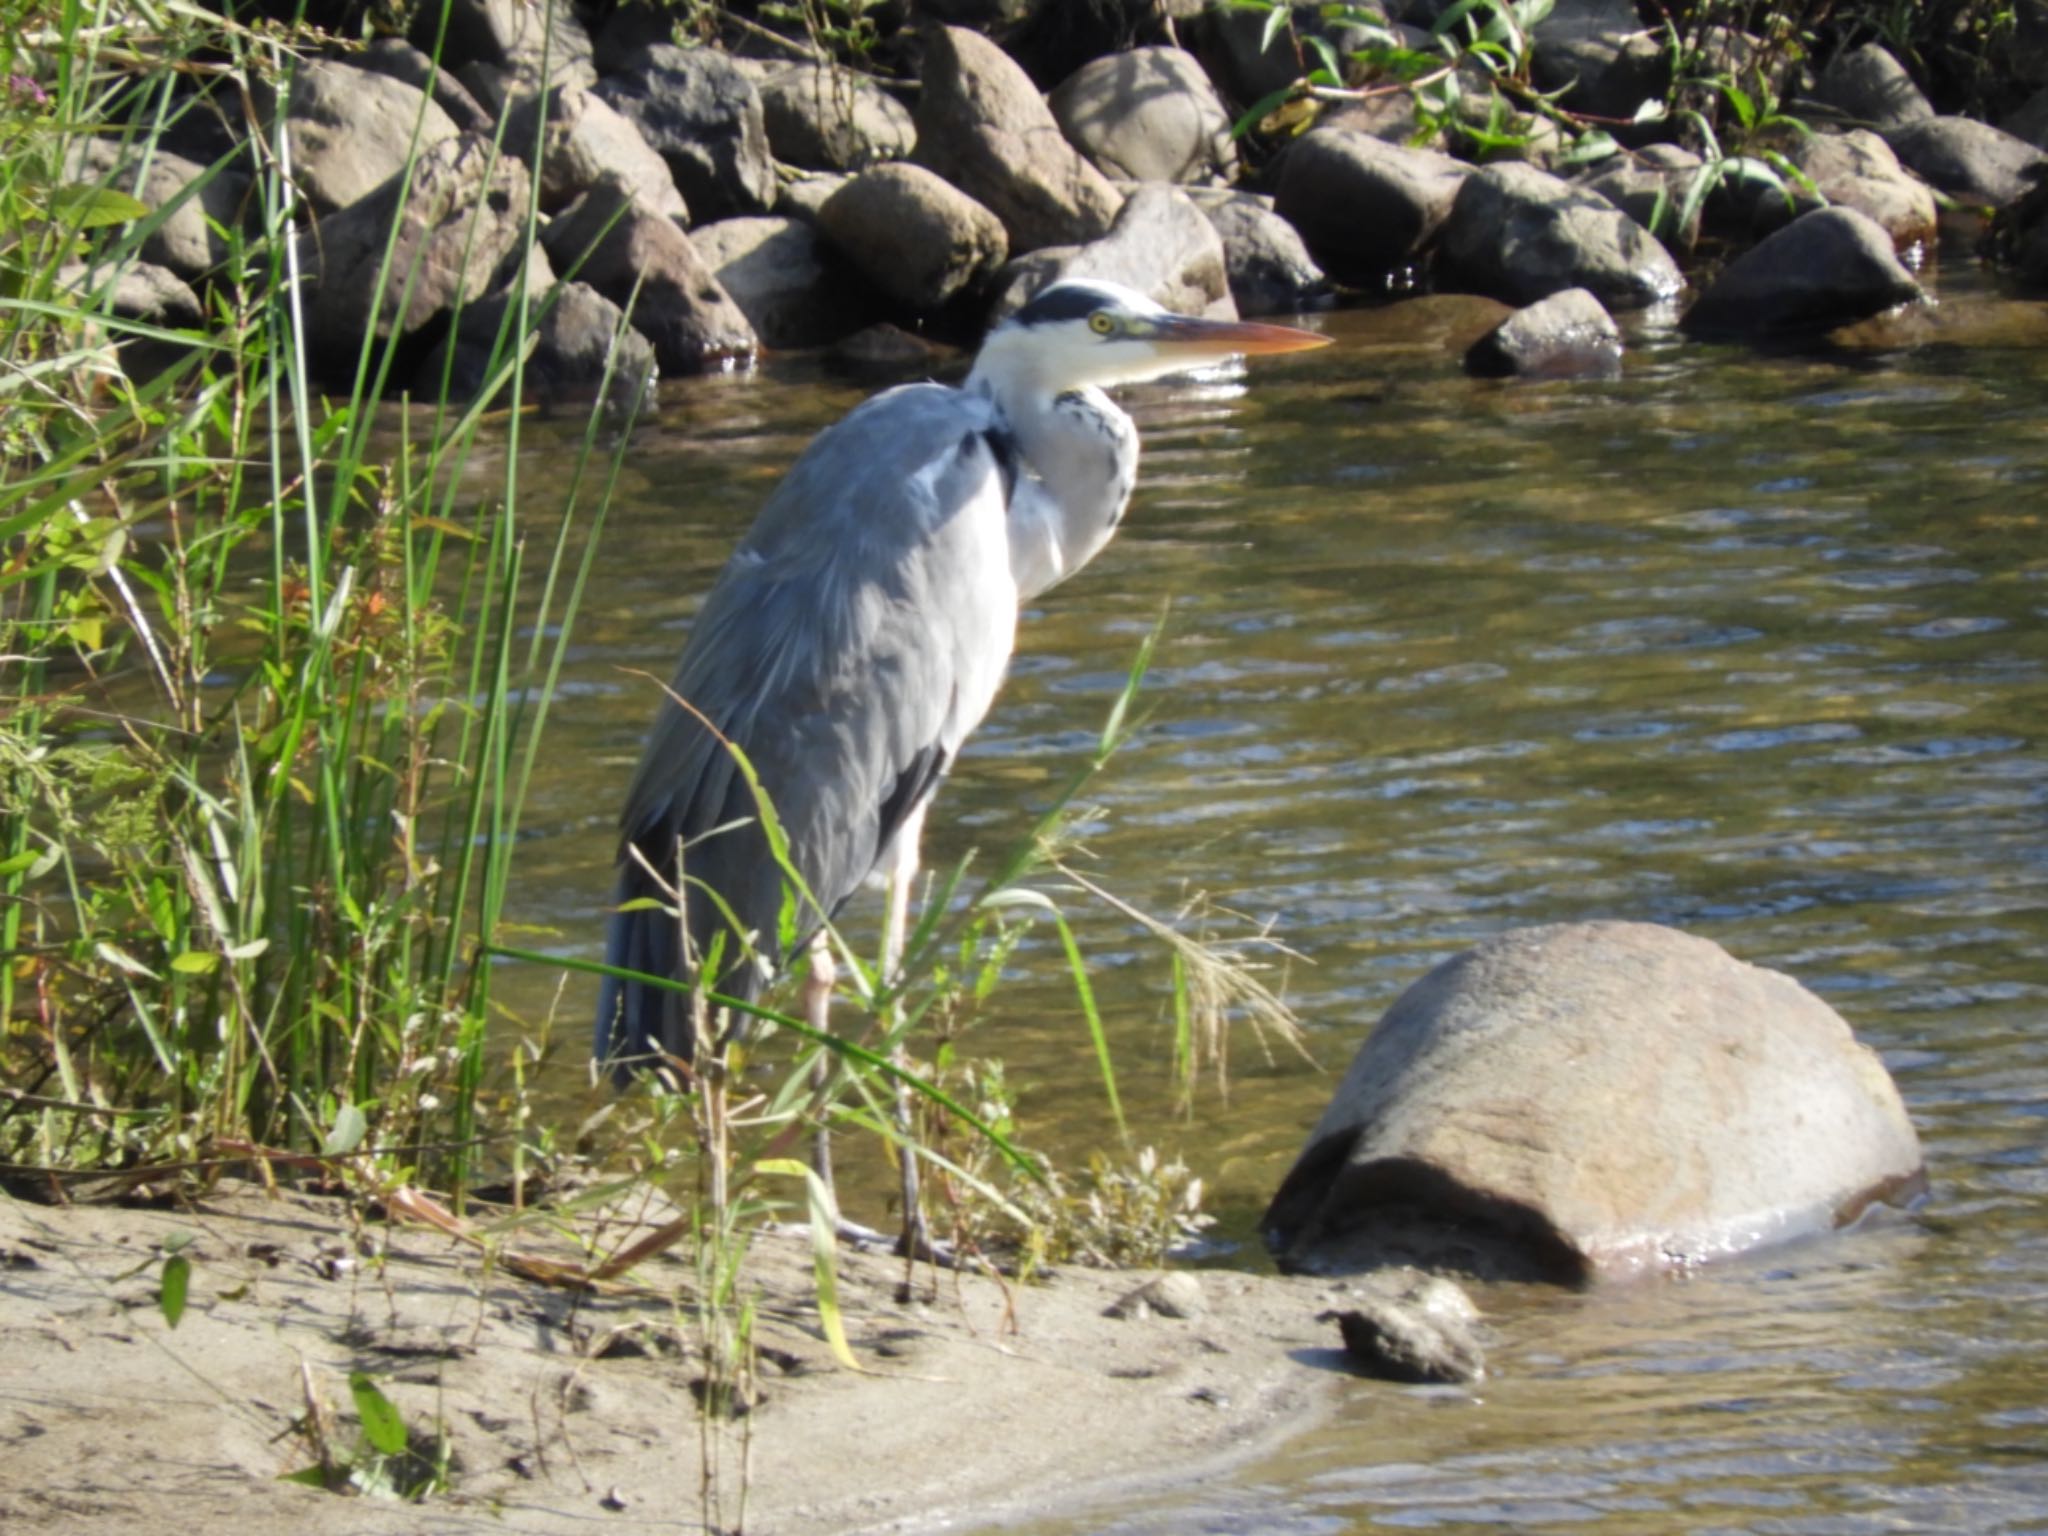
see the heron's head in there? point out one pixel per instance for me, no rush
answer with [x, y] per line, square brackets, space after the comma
[1085, 332]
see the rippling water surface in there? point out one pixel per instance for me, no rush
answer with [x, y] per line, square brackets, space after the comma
[1750, 645]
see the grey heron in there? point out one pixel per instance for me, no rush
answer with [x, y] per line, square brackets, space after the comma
[860, 632]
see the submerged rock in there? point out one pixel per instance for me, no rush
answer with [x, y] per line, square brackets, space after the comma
[1568, 335]
[1824, 269]
[1594, 1100]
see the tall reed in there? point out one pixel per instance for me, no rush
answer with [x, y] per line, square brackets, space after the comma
[267, 721]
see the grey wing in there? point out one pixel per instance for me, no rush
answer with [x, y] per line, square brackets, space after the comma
[850, 644]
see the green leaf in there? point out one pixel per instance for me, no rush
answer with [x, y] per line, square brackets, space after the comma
[90, 207]
[177, 1280]
[351, 1125]
[382, 1426]
[195, 962]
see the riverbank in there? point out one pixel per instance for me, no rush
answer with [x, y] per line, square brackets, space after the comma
[976, 1400]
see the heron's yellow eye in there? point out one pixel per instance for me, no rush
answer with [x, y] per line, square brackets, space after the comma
[1100, 323]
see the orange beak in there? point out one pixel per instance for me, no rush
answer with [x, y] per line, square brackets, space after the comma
[1231, 338]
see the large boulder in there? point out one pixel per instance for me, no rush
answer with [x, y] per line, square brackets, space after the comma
[786, 280]
[700, 112]
[583, 142]
[635, 256]
[1269, 268]
[828, 119]
[982, 125]
[919, 239]
[349, 131]
[1367, 209]
[1521, 234]
[1161, 245]
[453, 228]
[1589, 1101]
[1971, 161]
[1824, 269]
[1147, 115]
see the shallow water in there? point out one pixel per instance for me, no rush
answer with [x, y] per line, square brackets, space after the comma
[1751, 645]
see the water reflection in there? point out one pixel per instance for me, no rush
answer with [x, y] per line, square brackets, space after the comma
[1749, 645]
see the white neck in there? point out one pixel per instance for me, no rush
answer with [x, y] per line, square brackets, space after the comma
[1079, 458]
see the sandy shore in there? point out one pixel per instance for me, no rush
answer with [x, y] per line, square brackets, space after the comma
[976, 1403]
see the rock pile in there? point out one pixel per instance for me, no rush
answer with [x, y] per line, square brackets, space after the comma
[734, 202]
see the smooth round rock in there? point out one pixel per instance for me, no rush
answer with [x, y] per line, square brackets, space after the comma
[1594, 1100]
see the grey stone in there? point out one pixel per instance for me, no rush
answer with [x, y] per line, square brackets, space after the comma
[1269, 268]
[828, 119]
[185, 242]
[1521, 234]
[1652, 191]
[137, 290]
[982, 125]
[453, 228]
[1147, 115]
[585, 143]
[1969, 160]
[578, 344]
[1868, 85]
[1858, 170]
[1175, 1295]
[1366, 209]
[618, 247]
[919, 239]
[2030, 120]
[1594, 1100]
[785, 280]
[1824, 269]
[1160, 244]
[804, 196]
[1598, 59]
[349, 131]
[534, 42]
[702, 115]
[1566, 335]
[396, 57]
[1407, 1326]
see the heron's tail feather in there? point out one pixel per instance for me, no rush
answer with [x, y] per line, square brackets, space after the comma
[635, 1020]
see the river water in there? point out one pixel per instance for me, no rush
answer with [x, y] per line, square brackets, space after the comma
[1749, 644]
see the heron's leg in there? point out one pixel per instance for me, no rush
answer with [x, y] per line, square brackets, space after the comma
[895, 931]
[818, 1014]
